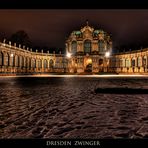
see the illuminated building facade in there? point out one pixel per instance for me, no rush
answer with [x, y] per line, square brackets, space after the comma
[88, 50]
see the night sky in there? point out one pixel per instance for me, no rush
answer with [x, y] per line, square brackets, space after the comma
[51, 27]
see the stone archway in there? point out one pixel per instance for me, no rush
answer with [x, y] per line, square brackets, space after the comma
[100, 65]
[88, 65]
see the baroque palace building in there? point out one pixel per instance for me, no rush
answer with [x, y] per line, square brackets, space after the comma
[88, 50]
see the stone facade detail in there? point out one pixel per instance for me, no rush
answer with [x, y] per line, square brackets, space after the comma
[87, 47]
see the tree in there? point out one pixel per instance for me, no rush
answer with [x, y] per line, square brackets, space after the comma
[21, 37]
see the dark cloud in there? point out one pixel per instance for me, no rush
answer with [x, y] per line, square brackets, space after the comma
[51, 27]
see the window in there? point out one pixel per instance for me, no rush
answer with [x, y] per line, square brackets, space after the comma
[20, 61]
[144, 61]
[74, 47]
[123, 62]
[100, 61]
[139, 61]
[6, 58]
[51, 63]
[16, 61]
[1, 58]
[33, 63]
[39, 63]
[101, 45]
[45, 63]
[133, 62]
[87, 46]
[127, 63]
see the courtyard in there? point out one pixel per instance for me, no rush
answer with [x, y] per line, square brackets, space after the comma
[56, 106]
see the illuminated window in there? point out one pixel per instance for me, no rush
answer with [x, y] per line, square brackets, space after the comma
[25, 62]
[127, 63]
[139, 61]
[29, 63]
[121, 63]
[74, 47]
[87, 46]
[1, 58]
[45, 63]
[20, 61]
[133, 62]
[51, 63]
[144, 60]
[33, 63]
[6, 59]
[101, 45]
[39, 63]
[16, 60]
[100, 61]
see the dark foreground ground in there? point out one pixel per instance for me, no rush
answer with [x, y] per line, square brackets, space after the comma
[70, 107]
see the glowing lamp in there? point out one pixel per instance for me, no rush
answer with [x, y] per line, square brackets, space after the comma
[11, 54]
[68, 55]
[107, 54]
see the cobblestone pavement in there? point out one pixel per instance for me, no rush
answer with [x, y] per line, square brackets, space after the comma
[68, 107]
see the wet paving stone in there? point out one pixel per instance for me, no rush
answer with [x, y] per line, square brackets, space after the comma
[69, 108]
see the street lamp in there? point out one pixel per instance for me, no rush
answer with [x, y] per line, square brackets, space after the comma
[68, 55]
[107, 54]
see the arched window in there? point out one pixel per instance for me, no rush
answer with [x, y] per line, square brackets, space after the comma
[65, 63]
[16, 60]
[127, 63]
[133, 63]
[101, 45]
[139, 62]
[113, 61]
[144, 61]
[74, 47]
[33, 63]
[100, 61]
[87, 46]
[20, 61]
[29, 62]
[6, 59]
[123, 62]
[12, 60]
[45, 63]
[51, 63]
[23, 62]
[1, 58]
[39, 63]
[57, 63]
[117, 62]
